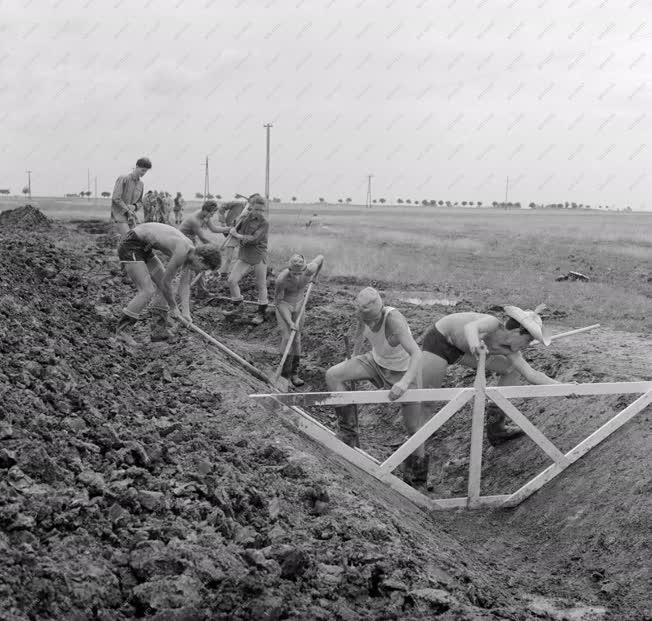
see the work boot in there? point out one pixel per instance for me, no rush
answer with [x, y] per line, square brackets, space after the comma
[415, 471]
[125, 323]
[159, 325]
[294, 377]
[259, 317]
[347, 419]
[234, 308]
[497, 431]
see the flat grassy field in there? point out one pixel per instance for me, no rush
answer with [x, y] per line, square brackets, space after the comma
[484, 256]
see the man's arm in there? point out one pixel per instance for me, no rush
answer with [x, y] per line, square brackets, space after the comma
[531, 375]
[215, 228]
[316, 264]
[400, 329]
[176, 261]
[116, 198]
[475, 330]
[184, 292]
[279, 295]
[256, 236]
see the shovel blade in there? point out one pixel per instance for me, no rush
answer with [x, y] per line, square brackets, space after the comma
[282, 384]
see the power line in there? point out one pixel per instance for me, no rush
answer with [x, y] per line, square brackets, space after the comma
[29, 183]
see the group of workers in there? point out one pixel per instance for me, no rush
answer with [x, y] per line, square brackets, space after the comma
[395, 361]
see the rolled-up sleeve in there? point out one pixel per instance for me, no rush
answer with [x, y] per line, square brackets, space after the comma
[118, 190]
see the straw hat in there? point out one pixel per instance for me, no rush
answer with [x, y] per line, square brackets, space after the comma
[531, 321]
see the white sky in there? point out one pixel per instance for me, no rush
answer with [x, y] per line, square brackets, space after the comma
[439, 99]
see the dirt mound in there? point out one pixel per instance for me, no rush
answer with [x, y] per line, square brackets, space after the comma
[144, 484]
[27, 217]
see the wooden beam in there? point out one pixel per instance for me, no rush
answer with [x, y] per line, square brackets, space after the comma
[477, 432]
[361, 460]
[409, 446]
[561, 390]
[537, 436]
[580, 450]
[348, 397]
[463, 502]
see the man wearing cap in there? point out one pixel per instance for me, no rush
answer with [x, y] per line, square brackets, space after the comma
[252, 232]
[393, 363]
[460, 337]
[290, 287]
[127, 197]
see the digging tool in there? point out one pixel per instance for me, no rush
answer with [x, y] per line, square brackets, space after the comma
[245, 211]
[562, 335]
[293, 332]
[349, 355]
[226, 299]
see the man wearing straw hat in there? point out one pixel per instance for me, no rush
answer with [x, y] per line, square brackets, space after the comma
[460, 337]
[393, 363]
[291, 284]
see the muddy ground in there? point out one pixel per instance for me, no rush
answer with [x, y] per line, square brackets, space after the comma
[146, 484]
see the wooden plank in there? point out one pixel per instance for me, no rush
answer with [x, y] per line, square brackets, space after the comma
[519, 418]
[409, 446]
[361, 460]
[561, 390]
[477, 432]
[580, 450]
[563, 335]
[463, 502]
[415, 395]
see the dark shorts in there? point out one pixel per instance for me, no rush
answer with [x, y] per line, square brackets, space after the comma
[436, 343]
[132, 248]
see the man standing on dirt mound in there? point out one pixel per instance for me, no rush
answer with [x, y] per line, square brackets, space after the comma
[291, 284]
[460, 337]
[393, 363]
[127, 197]
[136, 253]
[251, 231]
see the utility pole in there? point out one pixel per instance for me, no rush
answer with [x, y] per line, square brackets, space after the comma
[369, 190]
[95, 180]
[206, 184]
[506, 190]
[267, 127]
[88, 186]
[29, 184]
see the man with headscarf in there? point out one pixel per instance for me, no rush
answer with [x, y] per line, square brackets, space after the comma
[393, 363]
[291, 284]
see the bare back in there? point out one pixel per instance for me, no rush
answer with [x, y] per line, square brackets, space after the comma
[452, 327]
[163, 237]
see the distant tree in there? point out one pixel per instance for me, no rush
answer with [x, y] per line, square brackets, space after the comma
[218, 197]
[199, 195]
[276, 199]
[321, 200]
[566, 204]
[463, 203]
[209, 195]
[294, 198]
[374, 201]
[628, 208]
[5, 191]
[531, 205]
[106, 194]
[494, 204]
[588, 206]
[408, 201]
[381, 201]
[433, 203]
[448, 203]
[441, 203]
[348, 200]
[424, 202]
[25, 190]
[339, 200]
[573, 205]
[517, 205]
[479, 203]
[399, 201]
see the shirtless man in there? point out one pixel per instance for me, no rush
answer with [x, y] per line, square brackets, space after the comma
[153, 280]
[393, 363]
[460, 337]
[194, 224]
[290, 286]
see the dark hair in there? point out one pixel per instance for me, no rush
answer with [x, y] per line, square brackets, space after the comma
[143, 162]
[209, 205]
[210, 254]
[512, 324]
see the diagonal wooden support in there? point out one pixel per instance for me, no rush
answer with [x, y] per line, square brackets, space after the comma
[477, 432]
[580, 450]
[407, 448]
[350, 397]
[519, 418]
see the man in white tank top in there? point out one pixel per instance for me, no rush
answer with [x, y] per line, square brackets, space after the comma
[393, 363]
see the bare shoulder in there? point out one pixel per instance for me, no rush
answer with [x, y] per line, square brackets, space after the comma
[396, 322]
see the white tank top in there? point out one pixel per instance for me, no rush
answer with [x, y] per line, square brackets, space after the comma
[387, 356]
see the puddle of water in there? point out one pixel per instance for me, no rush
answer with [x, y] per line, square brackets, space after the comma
[430, 301]
[543, 606]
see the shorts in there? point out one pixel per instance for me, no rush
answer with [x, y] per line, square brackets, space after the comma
[132, 248]
[436, 343]
[380, 377]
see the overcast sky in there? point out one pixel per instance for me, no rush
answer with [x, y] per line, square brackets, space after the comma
[438, 99]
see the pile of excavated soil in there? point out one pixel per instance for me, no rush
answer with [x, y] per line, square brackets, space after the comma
[145, 484]
[27, 217]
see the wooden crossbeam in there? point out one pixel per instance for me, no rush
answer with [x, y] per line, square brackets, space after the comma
[580, 450]
[463, 502]
[409, 446]
[349, 397]
[562, 390]
[477, 432]
[537, 436]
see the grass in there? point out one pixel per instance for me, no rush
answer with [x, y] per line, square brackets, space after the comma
[484, 256]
